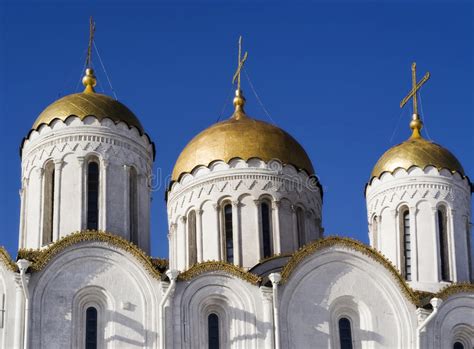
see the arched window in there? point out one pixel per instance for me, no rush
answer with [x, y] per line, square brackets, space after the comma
[48, 204]
[213, 331]
[406, 241]
[458, 345]
[300, 226]
[192, 246]
[91, 328]
[93, 195]
[443, 244]
[265, 216]
[228, 233]
[345, 333]
[133, 219]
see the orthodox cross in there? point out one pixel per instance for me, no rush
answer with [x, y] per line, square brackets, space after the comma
[241, 61]
[91, 41]
[415, 88]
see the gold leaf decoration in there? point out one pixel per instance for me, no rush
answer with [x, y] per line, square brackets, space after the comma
[41, 257]
[210, 266]
[446, 292]
[7, 260]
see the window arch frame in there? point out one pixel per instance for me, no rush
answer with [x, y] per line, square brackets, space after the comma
[89, 225]
[217, 305]
[265, 228]
[97, 297]
[359, 315]
[48, 202]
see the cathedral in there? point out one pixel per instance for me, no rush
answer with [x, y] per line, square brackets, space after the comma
[249, 265]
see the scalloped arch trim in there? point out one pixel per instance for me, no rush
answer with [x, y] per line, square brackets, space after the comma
[41, 258]
[210, 266]
[407, 170]
[7, 260]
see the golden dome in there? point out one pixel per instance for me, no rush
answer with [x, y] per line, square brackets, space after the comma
[416, 151]
[241, 137]
[86, 104]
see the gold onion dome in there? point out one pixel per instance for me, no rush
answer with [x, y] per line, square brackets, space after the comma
[241, 137]
[88, 103]
[416, 151]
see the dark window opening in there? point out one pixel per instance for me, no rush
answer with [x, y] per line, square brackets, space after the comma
[213, 331]
[406, 246]
[458, 345]
[93, 196]
[192, 238]
[443, 245]
[300, 226]
[229, 236]
[266, 229]
[345, 334]
[48, 207]
[91, 328]
[133, 219]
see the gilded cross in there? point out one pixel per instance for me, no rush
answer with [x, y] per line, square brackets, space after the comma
[91, 41]
[241, 61]
[415, 87]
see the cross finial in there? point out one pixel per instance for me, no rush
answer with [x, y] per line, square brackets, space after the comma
[241, 60]
[91, 41]
[239, 99]
[416, 124]
[89, 80]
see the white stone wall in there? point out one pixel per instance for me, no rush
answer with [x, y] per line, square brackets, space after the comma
[338, 282]
[70, 145]
[453, 323]
[97, 274]
[11, 302]
[244, 313]
[422, 192]
[244, 184]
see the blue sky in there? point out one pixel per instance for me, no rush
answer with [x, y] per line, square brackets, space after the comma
[331, 74]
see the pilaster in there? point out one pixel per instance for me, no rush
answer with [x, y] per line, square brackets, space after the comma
[58, 165]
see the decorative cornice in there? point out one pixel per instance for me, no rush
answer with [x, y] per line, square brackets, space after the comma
[210, 266]
[453, 289]
[7, 260]
[355, 245]
[40, 258]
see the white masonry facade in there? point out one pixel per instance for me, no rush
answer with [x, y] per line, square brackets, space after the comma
[249, 265]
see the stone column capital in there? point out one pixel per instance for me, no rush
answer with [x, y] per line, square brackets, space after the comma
[40, 172]
[236, 203]
[276, 204]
